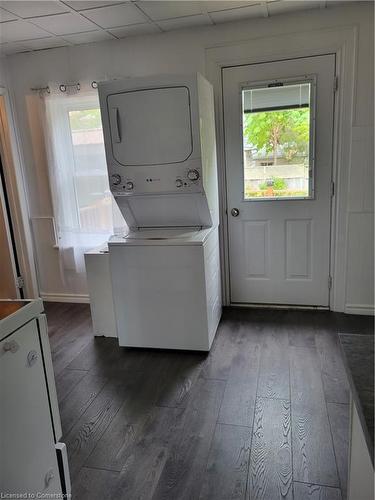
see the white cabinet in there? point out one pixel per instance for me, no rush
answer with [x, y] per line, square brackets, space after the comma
[29, 424]
[100, 289]
[361, 469]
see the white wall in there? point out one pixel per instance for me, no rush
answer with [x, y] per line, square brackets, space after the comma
[3, 72]
[183, 52]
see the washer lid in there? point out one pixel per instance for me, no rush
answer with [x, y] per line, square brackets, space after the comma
[160, 236]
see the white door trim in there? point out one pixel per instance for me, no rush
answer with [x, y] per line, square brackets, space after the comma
[16, 192]
[5, 222]
[339, 41]
[275, 270]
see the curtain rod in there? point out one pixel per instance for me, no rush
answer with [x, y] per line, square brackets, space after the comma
[63, 87]
[41, 90]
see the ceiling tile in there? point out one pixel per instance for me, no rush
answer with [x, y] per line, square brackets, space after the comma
[20, 30]
[44, 43]
[12, 48]
[335, 3]
[116, 15]
[224, 16]
[135, 29]
[64, 24]
[89, 4]
[91, 36]
[6, 16]
[184, 22]
[282, 6]
[34, 8]
[211, 6]
[166, 10]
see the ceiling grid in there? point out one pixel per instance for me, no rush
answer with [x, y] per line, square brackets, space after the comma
[38, 25]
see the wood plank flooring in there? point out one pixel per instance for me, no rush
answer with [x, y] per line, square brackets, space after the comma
[313, 453]
[264, 416]
[270, 472]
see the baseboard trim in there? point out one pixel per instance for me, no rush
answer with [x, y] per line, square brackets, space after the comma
[364, 309]
[254, 305]
[65, 297]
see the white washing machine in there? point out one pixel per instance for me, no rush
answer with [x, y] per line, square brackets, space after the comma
[159, 135]
[166, 288]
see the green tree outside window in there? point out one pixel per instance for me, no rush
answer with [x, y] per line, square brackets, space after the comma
[286, 131]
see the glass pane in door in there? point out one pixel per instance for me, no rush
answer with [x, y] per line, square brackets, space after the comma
[277, 141]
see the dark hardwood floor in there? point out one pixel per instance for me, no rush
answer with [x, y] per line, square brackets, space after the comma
[264, 416]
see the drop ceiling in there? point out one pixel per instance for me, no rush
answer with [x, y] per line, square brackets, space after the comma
[36, 25]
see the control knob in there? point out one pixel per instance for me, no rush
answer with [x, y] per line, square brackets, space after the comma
[116, 179]
[179, 183]
[129, 185]
[193, 175]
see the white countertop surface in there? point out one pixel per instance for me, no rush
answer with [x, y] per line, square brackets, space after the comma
[15, 313]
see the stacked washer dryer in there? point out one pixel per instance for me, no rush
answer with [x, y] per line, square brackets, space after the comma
[159, 135]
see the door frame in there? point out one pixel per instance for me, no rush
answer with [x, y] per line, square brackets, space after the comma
[17, 195]
[9, 233]
[342, 43]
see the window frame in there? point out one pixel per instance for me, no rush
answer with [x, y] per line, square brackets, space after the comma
[311, 79]
[91, 102]
[59, 143]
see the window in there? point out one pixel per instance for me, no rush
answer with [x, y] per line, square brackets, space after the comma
[277, 141]
[85, 211]
[93, 197]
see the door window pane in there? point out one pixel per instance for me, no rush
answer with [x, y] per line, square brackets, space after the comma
[277, 141]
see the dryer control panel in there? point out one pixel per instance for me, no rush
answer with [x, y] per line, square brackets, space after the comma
[156, 180]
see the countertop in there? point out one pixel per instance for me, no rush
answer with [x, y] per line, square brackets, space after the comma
[359, 361]
[15, 313]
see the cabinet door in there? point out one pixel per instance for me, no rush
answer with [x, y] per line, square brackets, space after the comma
[151, 127]
[28, 460]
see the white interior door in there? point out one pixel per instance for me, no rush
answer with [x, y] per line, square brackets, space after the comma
[278, 119]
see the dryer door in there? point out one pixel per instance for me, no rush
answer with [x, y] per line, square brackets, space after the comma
[151, 126]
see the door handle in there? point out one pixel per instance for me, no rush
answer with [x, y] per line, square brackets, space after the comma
[235, 212]
[114, 122]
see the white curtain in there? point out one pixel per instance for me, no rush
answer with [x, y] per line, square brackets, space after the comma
[86, 214]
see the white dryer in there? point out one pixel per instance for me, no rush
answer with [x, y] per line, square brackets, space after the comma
[159, 135]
